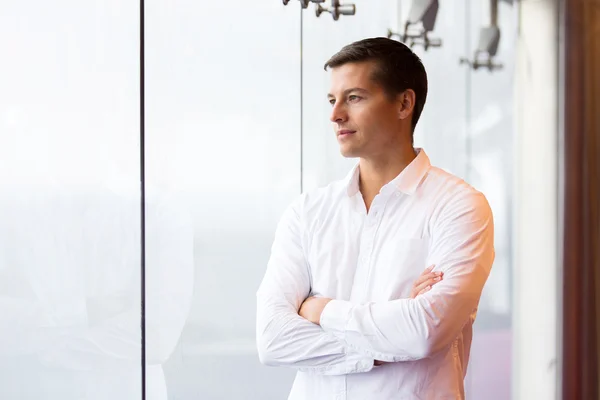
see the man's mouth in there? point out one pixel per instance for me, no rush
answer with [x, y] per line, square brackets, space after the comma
[345, 132]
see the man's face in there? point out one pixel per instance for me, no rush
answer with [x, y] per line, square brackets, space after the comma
[365, 120]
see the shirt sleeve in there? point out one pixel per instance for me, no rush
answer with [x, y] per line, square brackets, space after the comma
[283, 337]
[410, 329]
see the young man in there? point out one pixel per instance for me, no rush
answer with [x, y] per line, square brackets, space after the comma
[336, 302]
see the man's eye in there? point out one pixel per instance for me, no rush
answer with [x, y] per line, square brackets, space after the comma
[353, 98]
[331, 101]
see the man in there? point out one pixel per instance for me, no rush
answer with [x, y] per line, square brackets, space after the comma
[335, 302]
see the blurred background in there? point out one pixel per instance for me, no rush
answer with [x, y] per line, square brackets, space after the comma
[144, 168]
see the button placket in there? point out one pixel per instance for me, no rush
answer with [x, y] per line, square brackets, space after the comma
[374, 218]
[360, 271]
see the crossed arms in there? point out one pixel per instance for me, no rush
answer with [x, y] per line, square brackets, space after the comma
[351, 337]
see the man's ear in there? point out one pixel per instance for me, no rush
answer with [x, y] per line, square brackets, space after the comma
[406, 103]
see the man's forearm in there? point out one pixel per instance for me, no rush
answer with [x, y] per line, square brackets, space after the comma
[407, 329]
[286, 339]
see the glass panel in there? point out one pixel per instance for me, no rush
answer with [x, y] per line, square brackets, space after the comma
[69, 201]
[223, 162]
[480, 155]
[490, 171]
[441, 130]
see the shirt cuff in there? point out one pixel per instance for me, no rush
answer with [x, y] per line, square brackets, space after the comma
[358, 363]
[335, 316]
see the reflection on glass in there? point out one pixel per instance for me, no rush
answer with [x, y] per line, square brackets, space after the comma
[169, 282]
[223, 134]
[70, 300]
[490, 170]
[69, 201]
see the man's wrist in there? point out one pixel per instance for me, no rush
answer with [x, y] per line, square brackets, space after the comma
[324, 306]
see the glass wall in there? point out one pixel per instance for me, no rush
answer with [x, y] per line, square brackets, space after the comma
[69, 201]
[237, 125]
[223, 160]
[466, 128]
[489, 168]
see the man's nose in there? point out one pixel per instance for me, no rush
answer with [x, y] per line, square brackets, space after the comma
[338, 114]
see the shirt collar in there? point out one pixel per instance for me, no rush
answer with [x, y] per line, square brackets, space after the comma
[407, 181]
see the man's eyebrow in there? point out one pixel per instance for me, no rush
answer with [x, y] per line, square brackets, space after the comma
[347, 91]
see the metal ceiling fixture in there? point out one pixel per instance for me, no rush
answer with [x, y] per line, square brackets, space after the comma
[335, 8]
[489, 39]
[420, 22]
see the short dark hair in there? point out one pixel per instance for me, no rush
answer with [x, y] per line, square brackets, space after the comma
[398, 68]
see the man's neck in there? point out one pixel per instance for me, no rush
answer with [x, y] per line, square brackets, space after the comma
[378, 171]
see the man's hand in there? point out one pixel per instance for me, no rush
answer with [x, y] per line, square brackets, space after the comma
[425, 281]
[312, 308]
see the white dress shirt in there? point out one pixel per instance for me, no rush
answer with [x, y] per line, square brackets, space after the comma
[328, 245]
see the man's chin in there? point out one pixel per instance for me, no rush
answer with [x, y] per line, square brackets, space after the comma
[349, 153]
